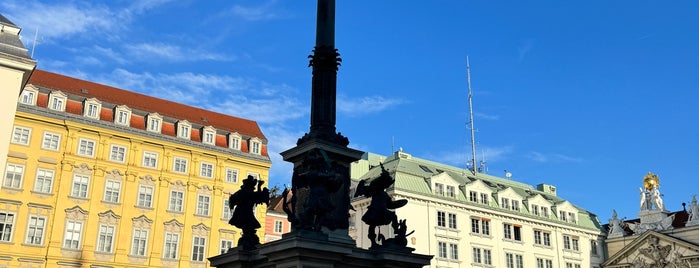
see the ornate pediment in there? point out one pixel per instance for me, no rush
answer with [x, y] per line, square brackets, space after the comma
[653, 249]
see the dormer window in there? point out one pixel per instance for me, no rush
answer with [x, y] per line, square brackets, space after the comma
[209, 135]
[234, 141]
[57, 101]
[29, 95]
[184, 129]
[255, 146]
[122, 115]
[154, 123]
[91, 108]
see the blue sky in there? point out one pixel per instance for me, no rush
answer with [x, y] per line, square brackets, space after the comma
[585, 95]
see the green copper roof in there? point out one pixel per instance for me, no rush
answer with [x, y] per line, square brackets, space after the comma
[412, 175]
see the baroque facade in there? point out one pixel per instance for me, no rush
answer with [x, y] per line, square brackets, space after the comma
[102, 177]
[658, 237]
[468, 220]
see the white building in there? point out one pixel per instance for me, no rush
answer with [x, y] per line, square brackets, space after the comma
[482, 220]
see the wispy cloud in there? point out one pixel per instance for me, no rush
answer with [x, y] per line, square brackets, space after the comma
[60, 20]
[486, 116]
[257, 13]
[169, 52]
[460, 158]
[366, 105]
[552, 157]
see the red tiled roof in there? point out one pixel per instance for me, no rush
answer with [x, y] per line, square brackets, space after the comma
[142, 102]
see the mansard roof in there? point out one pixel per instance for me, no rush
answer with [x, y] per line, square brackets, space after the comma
[9, 38]
[412, 175]
[133, 100]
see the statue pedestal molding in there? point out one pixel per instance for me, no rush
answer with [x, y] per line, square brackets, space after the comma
[297, 251]
[652, 216]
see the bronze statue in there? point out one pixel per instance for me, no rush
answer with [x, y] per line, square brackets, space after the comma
[379, 210]
[242, 203]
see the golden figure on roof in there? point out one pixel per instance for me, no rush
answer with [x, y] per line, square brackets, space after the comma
[651, 181]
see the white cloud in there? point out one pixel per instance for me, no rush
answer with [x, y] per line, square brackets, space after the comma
[258, 13]
[460, 158]
[486, 116]
[552, 157]
[365, 105]
[61, 20]
[524, 49]
[171, 52]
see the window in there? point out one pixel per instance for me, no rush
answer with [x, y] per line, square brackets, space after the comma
[105, 238]
[13, 176]
[176, 201]
[231, 175]
[452, 220]
[80, 186]
[485, 223]
[91, 109]
[86, 148]
[544, 263]
[514, 259]
[180, 165]
[535, 210]
[122, 116]
[170, 248]
[513, 232]
[226, 245]
[566, 242]
[35, 230]
[480, 226]
[562, 216]
[203, 202]
[453, 251]
[139, 242]
[20, 135]
[484, 198]
[505, 203]
[206, 170]
[57, 101]
[71, 238]
[154, 122]
[515, 205]
[593, 247]
[439, 189]
[442, 249]
[117, 153]
[111, 191]
[487, 257]
[44, 181]
[234, 141]
[198, 248]
[451, 191]
[544, 212]
[441, 219]
[226, 209]
[28, 97]
[255, 147]
[278, 227]
[571, 265]
[477, 255]
[7, 223]
[51, 141]
[576, 244]
[150, 159]
[472, 196]
[145, 196]
[209, 136]
[184, 129]
[571, 217]
[542, 238]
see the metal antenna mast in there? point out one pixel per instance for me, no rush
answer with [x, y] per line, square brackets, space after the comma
[470, 112]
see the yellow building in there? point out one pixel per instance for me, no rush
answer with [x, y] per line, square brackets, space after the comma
[102, 177]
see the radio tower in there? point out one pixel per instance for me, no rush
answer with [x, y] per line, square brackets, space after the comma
[474, 168]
